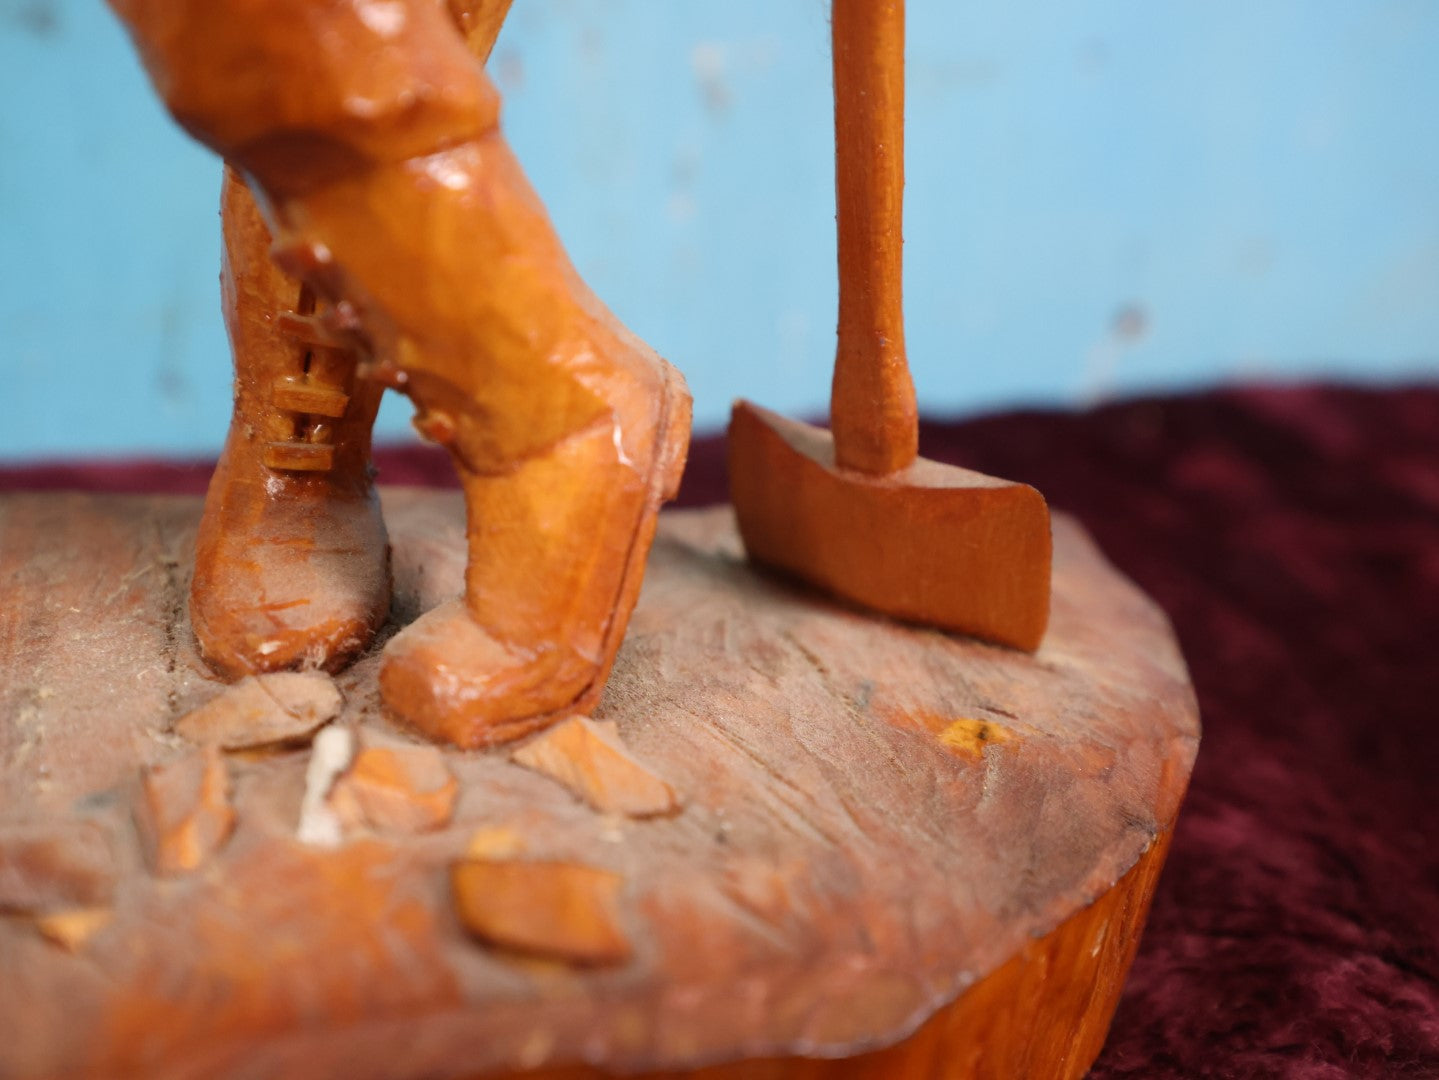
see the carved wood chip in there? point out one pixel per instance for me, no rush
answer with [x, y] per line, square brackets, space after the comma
[405, 789]
[186, 812]
[590, 760]
[563, 911]
[71, 929]
[261, 710]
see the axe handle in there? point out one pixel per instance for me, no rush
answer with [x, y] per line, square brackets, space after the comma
[872, 407]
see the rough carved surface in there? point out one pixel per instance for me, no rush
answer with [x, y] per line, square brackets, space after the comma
[590, 760]
[793, 902]
[186, 815]
[279, 707]
[397, 789]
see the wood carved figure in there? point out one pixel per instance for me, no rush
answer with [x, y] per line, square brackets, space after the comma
[793, 841]
[396, 242]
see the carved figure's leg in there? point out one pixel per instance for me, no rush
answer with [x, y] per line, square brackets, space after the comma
[374, 137]
[566, 430]
[291, 562]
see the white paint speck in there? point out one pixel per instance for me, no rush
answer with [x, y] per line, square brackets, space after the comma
[330, 755]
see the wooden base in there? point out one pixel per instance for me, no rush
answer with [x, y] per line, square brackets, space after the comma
[891, 852]
[1044, 1013]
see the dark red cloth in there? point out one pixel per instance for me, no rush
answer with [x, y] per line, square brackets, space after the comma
[1293, 536]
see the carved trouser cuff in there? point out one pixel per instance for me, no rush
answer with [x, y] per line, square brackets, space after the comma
[299, 92]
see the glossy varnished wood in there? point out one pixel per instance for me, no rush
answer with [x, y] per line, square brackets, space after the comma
[931, 543]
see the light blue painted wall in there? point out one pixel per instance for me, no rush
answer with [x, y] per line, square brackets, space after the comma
[1104, 196]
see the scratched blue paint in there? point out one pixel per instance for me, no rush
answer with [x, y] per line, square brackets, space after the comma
[1104, 197]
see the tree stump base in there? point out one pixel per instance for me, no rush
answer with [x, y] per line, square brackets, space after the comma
[841, 847]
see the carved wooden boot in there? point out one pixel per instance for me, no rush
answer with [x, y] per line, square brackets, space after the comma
[558, 540]
[292, 562]
[567, 431]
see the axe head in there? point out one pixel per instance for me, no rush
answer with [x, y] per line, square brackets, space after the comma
[931, 543]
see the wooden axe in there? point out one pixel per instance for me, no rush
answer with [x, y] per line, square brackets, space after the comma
[857, 512]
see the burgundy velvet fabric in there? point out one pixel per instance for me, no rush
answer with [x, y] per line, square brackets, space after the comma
[1293, 536]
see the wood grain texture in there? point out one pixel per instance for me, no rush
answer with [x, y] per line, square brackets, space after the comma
[873, 410]
[1043, 1015]
[875, 819]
